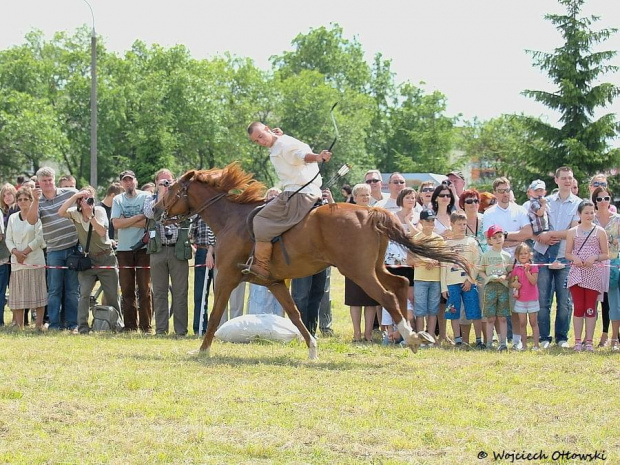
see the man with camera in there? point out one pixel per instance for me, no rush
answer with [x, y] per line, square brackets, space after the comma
[169, 250]
[91, 223]
[130, 223]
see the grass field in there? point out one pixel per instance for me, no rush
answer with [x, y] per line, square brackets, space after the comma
[136, 399]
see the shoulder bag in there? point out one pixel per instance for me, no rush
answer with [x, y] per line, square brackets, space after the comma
[79, 261]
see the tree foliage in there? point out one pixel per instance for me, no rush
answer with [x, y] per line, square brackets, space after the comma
[160, 107]
[575, 68]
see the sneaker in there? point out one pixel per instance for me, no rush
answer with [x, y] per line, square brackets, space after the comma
[545, 344]
[480, 346]
[502, 348]
[517, 346]
[535, 348]
[589, 347]
[563, 344]
[577, 347]
[615, 348]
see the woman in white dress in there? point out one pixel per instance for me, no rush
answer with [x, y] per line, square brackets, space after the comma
[27, 288]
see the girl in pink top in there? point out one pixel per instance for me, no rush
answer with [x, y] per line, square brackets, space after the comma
[523, 280]
[586, 247]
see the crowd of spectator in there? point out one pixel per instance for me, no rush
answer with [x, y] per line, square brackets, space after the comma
[520, 257]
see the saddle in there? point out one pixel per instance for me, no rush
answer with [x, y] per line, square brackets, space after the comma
[250, 226]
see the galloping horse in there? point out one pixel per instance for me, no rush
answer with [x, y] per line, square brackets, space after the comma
[350, 237]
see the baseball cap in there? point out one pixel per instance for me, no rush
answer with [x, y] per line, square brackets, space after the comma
[126, 173]
[427, 215]
[457, 173]
[493, 230]
[537, 184]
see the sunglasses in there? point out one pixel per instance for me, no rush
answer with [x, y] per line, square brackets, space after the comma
[372, 181]
[428, 189]
[445, 195]
[470, 201]
[398, 182]
[492, 201]
[503, 191]
[599, 184]
[603, 199]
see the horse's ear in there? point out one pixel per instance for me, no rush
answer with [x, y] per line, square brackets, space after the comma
[187, 176]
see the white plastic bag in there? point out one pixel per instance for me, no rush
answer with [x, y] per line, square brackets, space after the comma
[264, 326]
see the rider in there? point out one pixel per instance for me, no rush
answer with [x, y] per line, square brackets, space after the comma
[295, 165]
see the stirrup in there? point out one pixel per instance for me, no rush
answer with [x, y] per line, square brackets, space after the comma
[245, 267]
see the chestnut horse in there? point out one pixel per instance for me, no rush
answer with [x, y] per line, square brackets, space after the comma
[350, 237]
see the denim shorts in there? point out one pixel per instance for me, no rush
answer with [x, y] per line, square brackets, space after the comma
[470, 300]
[426, 297]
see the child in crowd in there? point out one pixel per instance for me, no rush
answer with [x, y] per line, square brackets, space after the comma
[494, 269]
[523, 279]
[458, 284]
[586, 246]
[538, 213]
[427, 278]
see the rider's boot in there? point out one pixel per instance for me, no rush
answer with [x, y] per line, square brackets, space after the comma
[260, 264]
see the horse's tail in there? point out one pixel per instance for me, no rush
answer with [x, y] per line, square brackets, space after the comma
[388, 225]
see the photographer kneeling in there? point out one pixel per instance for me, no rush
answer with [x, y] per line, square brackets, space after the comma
[86, 215]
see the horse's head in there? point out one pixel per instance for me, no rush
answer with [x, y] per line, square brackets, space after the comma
[176, 202]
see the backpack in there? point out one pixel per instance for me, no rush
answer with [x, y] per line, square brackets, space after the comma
[107, 318]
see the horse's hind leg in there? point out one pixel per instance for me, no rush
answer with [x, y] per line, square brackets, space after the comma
[400, 287]
[281, 292]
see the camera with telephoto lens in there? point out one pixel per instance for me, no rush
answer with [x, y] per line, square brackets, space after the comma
[90, 201]
[168, 232]
[165, 182]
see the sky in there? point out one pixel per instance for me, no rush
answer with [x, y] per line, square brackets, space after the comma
[472, 51]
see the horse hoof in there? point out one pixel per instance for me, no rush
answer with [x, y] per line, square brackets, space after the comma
[204, 353]
[426, 337]
[413, 342]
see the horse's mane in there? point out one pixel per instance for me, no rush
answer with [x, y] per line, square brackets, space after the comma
[240, 186]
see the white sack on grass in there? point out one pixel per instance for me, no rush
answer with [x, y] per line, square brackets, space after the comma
[265, 326]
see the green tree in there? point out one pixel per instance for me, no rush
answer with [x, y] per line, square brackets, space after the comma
[575, 68]
[501, 146]
[421, 134]
[29, 134]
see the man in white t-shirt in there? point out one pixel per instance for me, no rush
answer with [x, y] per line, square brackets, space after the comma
[297, 168]
[395, 185]
[374, 180]
[514, 221]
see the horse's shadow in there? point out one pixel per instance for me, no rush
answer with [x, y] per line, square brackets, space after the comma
[278, 361]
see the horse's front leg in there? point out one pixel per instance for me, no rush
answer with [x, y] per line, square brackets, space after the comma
[225, 282]
[281, 292]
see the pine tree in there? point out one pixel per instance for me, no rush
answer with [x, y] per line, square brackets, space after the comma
[581, 141]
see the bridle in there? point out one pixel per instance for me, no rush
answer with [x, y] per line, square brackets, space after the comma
[183, 194]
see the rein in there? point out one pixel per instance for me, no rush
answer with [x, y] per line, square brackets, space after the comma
[183, 193]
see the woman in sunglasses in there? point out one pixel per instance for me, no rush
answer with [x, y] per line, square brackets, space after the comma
[610, 307]
[469, 201]
[600, 180]
[443, 202]
[487, 200]
[425, 193]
